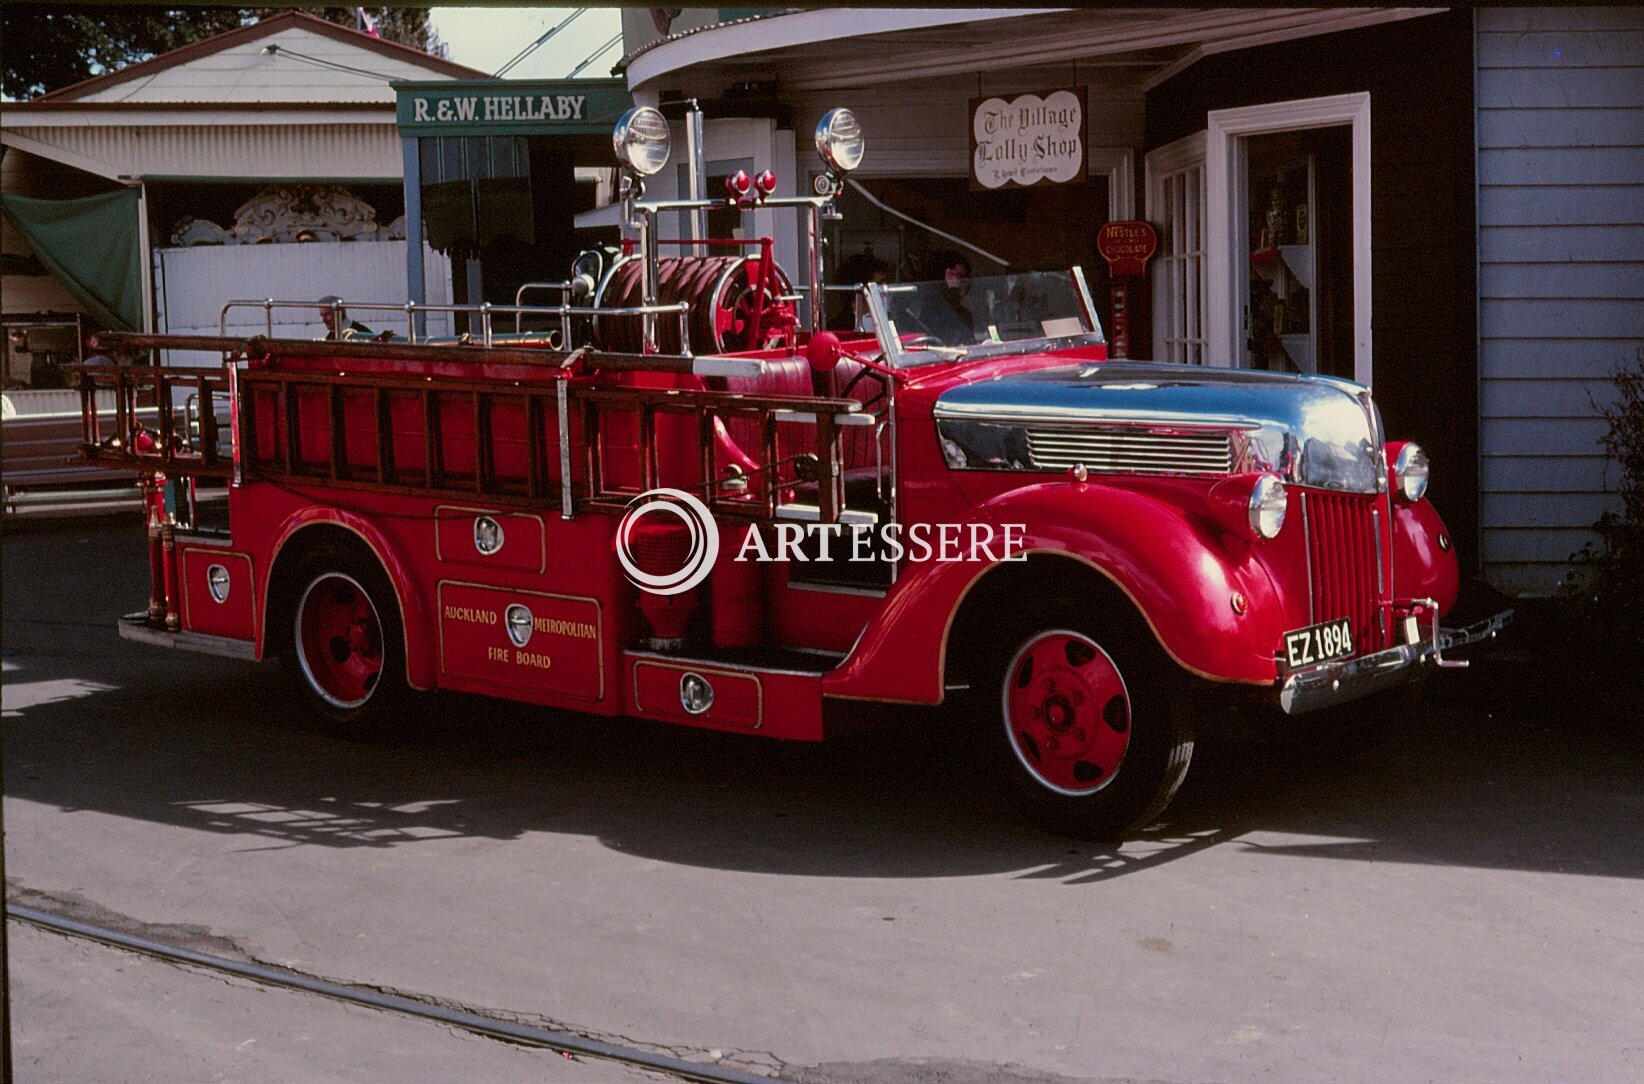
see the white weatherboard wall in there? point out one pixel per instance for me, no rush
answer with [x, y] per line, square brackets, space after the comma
[192, 284]
[1560, 125]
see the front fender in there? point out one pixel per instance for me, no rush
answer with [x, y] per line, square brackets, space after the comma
[1179, 572]
[421, 665]
[1424, 555]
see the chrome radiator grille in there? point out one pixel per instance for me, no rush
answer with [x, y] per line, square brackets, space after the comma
[1132, 450]
[1342, 554]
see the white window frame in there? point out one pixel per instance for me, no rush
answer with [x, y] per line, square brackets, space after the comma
[1227, 214]
[1159, 167]
[1118, 165]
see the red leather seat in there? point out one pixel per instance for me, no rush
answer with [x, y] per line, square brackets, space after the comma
[791, 375]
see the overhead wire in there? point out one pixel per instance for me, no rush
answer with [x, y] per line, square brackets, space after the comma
[277, 50]
[596, 54]
[535, 45]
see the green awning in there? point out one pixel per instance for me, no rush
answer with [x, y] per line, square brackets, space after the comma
[92, 246]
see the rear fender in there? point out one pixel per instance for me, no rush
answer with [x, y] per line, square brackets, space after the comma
[421, 665]
[1179, 573]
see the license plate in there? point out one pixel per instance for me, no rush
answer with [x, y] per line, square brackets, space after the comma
[1319, 643]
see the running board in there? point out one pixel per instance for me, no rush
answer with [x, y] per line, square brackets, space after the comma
[136, 627]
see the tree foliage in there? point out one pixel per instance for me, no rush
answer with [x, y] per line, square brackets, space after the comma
[1610, 576]
[47, 47]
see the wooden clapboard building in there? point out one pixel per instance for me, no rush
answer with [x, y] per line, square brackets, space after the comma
[1447, 205]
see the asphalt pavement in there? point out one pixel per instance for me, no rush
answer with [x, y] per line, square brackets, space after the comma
[1464, 903]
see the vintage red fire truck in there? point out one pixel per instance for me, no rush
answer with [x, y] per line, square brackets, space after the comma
[681, 501]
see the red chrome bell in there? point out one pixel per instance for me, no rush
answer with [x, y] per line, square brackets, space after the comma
[823, 351]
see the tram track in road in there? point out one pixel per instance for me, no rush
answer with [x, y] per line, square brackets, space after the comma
[494, 1027]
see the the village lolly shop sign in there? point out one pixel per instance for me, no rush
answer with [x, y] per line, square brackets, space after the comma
[1030, 139]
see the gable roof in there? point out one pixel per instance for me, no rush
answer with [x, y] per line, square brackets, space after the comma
[274, 24]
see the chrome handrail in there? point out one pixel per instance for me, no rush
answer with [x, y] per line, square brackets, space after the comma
[486, 313]
[564, 289]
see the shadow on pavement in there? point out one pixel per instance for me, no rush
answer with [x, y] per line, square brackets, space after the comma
[94, 723]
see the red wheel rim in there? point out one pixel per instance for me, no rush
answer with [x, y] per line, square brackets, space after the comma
[339, 640]
[731, 323]
[1067, 712]
[733, 312]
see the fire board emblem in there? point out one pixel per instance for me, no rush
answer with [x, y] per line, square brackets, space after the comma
[519, 621]
[487, 535]
[217, 583]
[696, 694]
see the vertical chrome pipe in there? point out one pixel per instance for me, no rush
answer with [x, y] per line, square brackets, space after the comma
[813, 257]
[697, 176]
[648, 285]
[562, 403]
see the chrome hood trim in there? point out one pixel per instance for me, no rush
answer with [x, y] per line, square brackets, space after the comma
[1310, 430]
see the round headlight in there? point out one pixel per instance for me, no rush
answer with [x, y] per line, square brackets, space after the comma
[839, 140]
[1268, 503]
[1410, 473]
[641, 140]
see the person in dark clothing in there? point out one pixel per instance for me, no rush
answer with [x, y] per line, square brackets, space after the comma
[336, 317]
[942, 309]
[851, 314]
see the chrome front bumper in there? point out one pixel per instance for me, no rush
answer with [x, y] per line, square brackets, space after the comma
[1333, 683]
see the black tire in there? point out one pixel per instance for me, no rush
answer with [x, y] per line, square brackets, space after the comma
[350, 675]
[1149, 738]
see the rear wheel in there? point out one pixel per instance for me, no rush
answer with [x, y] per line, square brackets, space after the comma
[345, 644]
[1086, 721]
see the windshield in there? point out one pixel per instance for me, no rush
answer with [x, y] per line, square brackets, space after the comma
[970, 317]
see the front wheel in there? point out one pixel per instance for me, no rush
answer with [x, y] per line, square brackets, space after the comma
[1087, 722]
[346, 653]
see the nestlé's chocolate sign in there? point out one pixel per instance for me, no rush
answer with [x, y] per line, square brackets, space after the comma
[1126, 246]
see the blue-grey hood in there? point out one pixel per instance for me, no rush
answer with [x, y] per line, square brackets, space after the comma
[1149, 417]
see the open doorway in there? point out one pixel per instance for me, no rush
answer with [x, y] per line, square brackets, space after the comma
[1306, 310]
[1299, 233]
